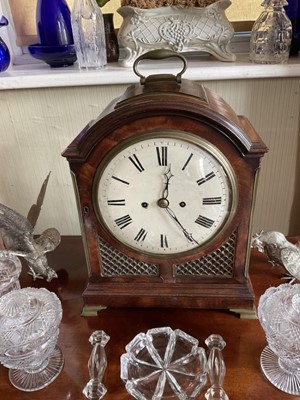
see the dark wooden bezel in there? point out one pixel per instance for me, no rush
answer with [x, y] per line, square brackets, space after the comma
[158, 106]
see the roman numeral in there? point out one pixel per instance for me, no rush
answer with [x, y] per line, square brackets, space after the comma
[187, 161]
[120, 202]
[122, 222]
[206, 178]
[120, 180]
[136, 162]
[162, 155]
[141, 236]
[204, 221]
[211, 200]
[163, 241]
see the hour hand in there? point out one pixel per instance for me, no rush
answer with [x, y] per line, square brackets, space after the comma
[168, 176]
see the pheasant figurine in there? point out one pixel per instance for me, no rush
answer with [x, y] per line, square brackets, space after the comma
[17, 237]
[279, 251]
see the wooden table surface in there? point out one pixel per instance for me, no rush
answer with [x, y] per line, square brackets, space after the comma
[245, 338]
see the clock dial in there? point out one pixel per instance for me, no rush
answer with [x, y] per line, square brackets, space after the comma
[167, 193]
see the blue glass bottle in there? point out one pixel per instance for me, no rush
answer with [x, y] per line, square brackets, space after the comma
[4, 51]
[293, 12]
[53, 20]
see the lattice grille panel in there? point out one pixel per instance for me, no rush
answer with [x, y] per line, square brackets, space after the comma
[115, 263]
[218, 263]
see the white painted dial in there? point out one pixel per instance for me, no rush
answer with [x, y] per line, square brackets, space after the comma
[167, 193]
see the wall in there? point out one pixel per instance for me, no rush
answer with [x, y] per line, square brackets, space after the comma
[38, 124]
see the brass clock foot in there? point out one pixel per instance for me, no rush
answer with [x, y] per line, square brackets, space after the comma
[91, 311]
[245, 313]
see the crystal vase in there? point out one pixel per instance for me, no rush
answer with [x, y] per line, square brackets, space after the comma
[279, 315]
[271, 35]
[4, 51]
[53, 20]
[29, 321]
[89, 34]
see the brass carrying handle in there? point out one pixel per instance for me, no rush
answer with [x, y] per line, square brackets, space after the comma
[159, 54]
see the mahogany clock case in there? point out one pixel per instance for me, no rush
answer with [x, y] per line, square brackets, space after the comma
[213, 275]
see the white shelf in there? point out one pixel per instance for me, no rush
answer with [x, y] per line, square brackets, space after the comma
[200, 68]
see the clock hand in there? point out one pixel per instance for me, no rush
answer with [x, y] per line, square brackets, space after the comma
[168, 176]
[188, 235]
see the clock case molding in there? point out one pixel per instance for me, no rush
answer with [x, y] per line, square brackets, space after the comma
[214, 276]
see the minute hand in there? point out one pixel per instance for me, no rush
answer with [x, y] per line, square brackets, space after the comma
[188, 235]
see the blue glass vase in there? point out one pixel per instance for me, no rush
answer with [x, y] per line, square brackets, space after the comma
[293, 12]
[53, 21]
[4, 51]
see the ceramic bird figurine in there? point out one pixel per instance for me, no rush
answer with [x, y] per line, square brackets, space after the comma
[279, 251]
[17, 237]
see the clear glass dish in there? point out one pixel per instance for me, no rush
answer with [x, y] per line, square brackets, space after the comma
[164, 364]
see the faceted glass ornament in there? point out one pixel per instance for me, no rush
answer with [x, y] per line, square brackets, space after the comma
[279, 315]
[89, 34]
[95, 389]
[271, 34]
[164, 364]
[10, 269]
[29, 322]
[4, 51]
[53, 21]
[216, 368]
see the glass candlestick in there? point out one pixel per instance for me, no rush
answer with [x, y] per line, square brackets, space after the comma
[271, 36]
[94, 389]
[29, 321]
[89, 34]
[216, 368]
[279, 315]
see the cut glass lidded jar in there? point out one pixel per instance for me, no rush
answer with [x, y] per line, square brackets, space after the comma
[271, 34]
[279, 315]
[29, 328]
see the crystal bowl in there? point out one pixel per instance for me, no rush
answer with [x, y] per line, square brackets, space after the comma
[29, 321]
[10, 269]
[164, 364]
[279, 315]
[55, 56]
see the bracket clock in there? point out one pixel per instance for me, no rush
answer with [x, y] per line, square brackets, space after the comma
[165, 182]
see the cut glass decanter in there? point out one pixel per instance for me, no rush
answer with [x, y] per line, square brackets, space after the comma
[29, 321]
[271, 35]
[279, 315]
[89, 34]
[164, 364]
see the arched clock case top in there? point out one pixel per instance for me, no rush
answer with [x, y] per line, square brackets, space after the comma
[142, 209]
